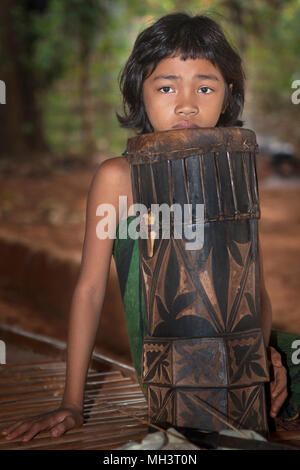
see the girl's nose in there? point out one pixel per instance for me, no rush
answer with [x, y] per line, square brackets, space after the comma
[186, 108]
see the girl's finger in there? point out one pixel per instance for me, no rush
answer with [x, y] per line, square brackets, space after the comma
[280, 382]
[275, 357]
[18, 431]
[61, 428]
[58, 430]
[277, 404]
[8, 429]
[276, 360]
[35, 429]
[42, 425]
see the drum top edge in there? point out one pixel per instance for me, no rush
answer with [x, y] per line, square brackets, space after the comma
[179, 143]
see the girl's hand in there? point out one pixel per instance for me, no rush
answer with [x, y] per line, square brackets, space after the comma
[278, 383]
[58, 421]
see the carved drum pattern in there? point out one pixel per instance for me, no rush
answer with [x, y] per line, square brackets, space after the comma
[204, 358]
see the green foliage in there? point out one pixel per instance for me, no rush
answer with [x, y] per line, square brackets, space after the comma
[265, 31]
[40, 37]
[274, 62]
[46, 61]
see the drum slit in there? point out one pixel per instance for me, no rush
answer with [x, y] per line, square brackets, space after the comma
[236, 211]
[202, 184]
[138, 196]
[247, 183]
[218, 185]
[252, 155]
[186, 187]
[172, 193]
[152, 182]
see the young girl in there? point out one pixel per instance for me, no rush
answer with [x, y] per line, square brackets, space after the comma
[181, 73]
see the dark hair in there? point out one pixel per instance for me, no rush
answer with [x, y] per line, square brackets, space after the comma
[190, 37]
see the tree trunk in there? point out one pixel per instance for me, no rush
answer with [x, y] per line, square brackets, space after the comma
[21, 124]
[87, 114]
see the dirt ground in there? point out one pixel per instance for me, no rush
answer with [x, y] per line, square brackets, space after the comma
[47, 206]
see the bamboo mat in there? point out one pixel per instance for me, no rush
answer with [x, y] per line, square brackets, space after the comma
[32, 388]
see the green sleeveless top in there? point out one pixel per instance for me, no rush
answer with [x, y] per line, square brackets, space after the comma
[126, 257]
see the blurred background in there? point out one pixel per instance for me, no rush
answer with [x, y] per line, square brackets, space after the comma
[59, 68]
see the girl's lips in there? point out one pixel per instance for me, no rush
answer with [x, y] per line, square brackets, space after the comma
[185, 125]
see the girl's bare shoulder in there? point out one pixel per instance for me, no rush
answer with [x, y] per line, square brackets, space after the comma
[113, 175]
[116, 167]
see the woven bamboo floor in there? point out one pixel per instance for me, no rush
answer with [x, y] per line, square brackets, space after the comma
[115, 409]
[32, 388]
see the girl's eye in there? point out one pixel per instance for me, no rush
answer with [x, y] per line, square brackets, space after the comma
[205, 89]
[165, 89]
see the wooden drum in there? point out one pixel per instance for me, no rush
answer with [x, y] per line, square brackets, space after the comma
[204, 358]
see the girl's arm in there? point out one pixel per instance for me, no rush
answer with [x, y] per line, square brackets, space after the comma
[91, 285]
[85, 310]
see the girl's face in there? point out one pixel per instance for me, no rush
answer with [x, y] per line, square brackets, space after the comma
[184, 93]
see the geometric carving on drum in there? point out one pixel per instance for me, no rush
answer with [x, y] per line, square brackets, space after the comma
[181, 362]
[175, 305]
[202, 296]
[242, 407]
[161, 404]
[247, 359]
[206, 280]
[156, 362]
[246, 407]
[191, 411]
[236, 301]
[199, 363]
[185, 376]
[230, 360]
